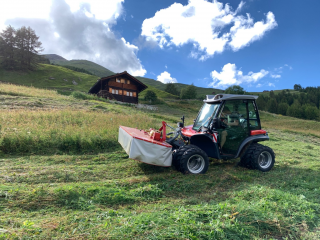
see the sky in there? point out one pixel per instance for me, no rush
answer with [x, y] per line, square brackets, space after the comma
[257, 44]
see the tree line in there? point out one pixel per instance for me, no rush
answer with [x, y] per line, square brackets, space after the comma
[19, 48]
[302, 104]
[189, 92]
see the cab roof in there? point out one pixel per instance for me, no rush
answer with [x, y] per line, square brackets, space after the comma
[222, 97]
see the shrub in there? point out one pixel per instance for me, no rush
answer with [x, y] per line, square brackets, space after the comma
[150, 96]
[171, 88]
[190, 92]
[80, 95]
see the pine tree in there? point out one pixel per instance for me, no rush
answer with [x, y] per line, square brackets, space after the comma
[7, 47]
[29, 46]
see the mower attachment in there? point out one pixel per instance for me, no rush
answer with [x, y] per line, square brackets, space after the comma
[140, 146]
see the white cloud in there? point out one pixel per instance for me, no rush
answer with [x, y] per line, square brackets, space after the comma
[77, 29]
[275, 76]
[166, 78]
[286, 65]
[245, 31]
[204, 24]
[259, 85]
[229, 75]
[271, 84]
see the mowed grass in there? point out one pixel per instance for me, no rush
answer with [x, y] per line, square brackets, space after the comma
[66, 177]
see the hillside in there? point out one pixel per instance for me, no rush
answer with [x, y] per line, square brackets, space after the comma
[54, 57]
[63, 175]
[50, 77]
[92, 67]
[157, 84]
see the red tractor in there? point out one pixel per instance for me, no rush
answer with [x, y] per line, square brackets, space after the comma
[227, 127]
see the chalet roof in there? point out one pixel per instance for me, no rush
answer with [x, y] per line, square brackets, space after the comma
[221, 97]
[102, 81]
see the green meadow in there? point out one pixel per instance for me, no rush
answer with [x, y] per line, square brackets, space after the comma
[63, 175]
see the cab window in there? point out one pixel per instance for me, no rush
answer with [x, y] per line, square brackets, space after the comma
[254, 123]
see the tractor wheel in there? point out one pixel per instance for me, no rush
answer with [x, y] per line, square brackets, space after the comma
[177, 154]
[194, 160]
[258, 157]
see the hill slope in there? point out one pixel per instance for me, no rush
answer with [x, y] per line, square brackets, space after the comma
[54, 57]
[92, 67]
[51, 77]
[157, 84]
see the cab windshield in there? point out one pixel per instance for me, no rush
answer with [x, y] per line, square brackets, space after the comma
[207, 111]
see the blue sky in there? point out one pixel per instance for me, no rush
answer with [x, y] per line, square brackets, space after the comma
[258, 44]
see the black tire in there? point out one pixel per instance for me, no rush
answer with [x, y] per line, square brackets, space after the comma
[194, 161]
[258, 157]
[177, 154]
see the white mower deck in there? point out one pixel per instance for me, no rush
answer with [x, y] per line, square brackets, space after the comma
[139, 146]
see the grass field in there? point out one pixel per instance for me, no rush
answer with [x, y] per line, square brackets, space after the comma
[63, 175]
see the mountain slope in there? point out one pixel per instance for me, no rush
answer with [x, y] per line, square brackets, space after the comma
[51, 77]
[54, 57]
[157, 84]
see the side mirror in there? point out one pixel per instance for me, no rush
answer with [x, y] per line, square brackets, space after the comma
[180, 125]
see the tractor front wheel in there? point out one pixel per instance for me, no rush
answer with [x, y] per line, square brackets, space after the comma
[191, 159]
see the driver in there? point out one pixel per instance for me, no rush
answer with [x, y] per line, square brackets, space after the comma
[226, 114]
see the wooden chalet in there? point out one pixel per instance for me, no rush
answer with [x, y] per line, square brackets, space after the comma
[120, 87]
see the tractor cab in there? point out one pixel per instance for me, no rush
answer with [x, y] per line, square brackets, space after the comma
[226, 125]
[233, 118]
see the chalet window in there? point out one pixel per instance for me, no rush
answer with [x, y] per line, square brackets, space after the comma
[128, 81]
[123, 80]
[130, 94]
[124, 92]
[110, 90]
[113, 91]
[117, 91]
[134, 94]
[120, 92]
[118, 80]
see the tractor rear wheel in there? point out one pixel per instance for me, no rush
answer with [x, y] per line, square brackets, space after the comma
[258, 157]
[191, 159]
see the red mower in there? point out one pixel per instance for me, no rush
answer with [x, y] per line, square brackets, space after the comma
[227, 127]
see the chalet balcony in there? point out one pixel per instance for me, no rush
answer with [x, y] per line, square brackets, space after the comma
[123, 85]
[117, 97]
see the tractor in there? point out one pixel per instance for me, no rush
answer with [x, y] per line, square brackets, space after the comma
[227, 127]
